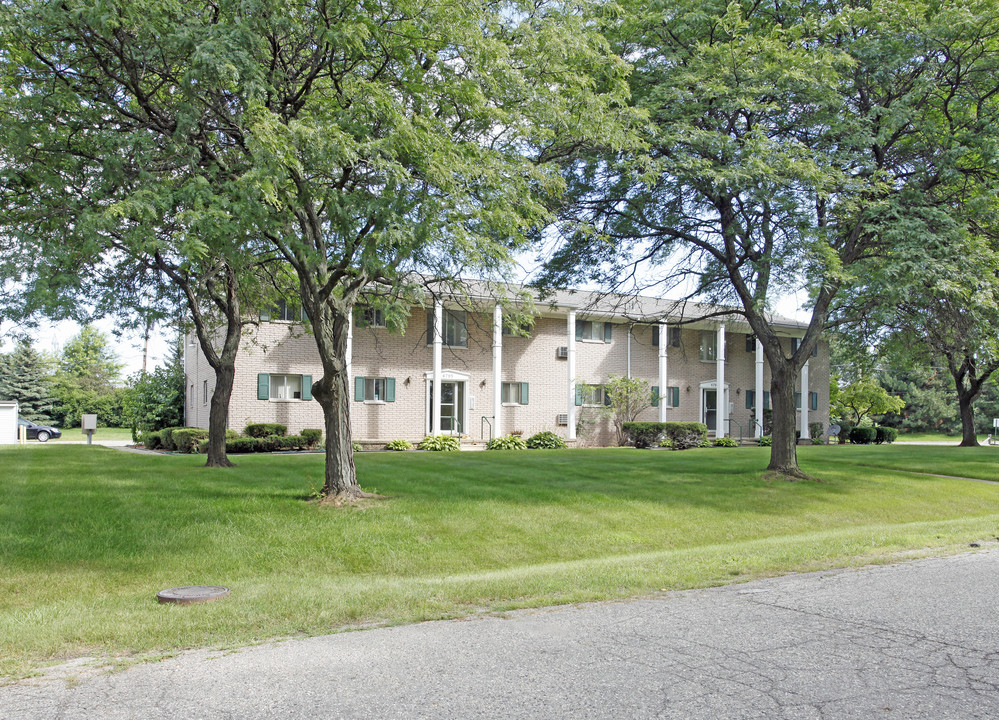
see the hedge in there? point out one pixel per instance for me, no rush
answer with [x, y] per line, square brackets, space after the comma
[885, 435]
[680, 435]
[312, 436]
[863, 435]
[185, 440]
[262, 430]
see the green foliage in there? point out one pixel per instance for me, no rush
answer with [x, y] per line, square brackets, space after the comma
[157, 398]
[863, 435]
[439, 443]
[681, 435]
[355, 447]
[863, 399]
[25, 377]
[152, 440]
[399, 445]
[816, 430]
[186, 440]
[312, 437]
[261, 430]
[726, 442]
[507, 442]
[85, 379]
[885, 435]
[628, 397]
[241, 445]
[766, 441]
[546, 440]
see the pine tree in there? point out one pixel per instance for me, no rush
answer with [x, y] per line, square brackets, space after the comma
[25, 377]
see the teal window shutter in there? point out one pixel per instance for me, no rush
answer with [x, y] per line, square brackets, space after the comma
[359, 389]
[655, 396]
[306, 387]
[389, 389]
[676, 396]
[655, 336]
[607, 398]
[263, 386]
[579, 330]
[607, 332]
[430, 326]
[766, 399]
[750, 399]
[797, 401]
[813, 400]
[523, 394]
[579, 395]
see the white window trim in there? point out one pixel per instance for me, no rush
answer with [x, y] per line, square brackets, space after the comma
[602, 391]
[700, 346]
[289, 399]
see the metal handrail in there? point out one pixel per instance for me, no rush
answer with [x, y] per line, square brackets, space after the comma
[488, 421]
[730, 421]
[455, 421]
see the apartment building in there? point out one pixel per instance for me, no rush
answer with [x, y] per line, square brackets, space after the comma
[495, 380]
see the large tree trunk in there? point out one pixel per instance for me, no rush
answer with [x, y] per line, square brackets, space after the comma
[218, 415]
[966, 401]
[784, 448]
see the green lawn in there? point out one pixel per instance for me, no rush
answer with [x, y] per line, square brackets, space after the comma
[934, 437]
[100, 434]
[88, 535]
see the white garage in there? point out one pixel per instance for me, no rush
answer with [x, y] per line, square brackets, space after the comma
[8, 422]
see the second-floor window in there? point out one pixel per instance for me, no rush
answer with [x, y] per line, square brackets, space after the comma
[709, 346]
[369, 317]
[455, 331]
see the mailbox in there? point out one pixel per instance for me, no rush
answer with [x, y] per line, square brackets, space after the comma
[89, 422]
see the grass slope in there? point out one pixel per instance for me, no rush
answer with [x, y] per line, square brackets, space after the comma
[88, 535]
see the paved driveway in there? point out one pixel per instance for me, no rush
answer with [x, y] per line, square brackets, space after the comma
[914, 640]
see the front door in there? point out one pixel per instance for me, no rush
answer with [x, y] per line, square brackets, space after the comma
[452, 407]
[710, 404]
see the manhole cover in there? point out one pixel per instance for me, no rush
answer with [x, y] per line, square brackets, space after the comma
[192, 594]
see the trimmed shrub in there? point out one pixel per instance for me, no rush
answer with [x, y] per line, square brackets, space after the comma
[439, 443]
[293, 442]
[312, 437]
[398, 445]
[766, 441]
[166, 437]
[682, 435]
[644, 434]
[270, 443]
[241, 445]
[863, 435]
[726, 442]
[152, 440]
[262, 430]
[355, 447]
[507, 442]
[844, 432]
[546, 440]
[203, 445]
[885, 435]
[185, 440]
[666, 443]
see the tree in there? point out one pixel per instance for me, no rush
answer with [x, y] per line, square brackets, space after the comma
[157, 398]
[25, 376]
[864, 399]
[629, 398]
[363, 142]
[791, 145]
[85, 380]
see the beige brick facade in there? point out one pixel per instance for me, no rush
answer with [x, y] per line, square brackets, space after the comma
[285, 348]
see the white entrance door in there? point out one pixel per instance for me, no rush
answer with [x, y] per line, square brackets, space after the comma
[452, 406]
[709, 402]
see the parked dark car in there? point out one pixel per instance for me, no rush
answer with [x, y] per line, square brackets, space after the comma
[41, 433]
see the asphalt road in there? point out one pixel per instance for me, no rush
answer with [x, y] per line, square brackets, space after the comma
[915, 640]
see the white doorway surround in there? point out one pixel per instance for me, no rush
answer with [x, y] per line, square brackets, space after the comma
[450, 405]
[710, 406]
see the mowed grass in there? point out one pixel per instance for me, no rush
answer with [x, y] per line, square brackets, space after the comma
[88, 535]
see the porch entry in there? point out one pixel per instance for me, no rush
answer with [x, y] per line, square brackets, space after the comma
[453, 401]
[709, 405]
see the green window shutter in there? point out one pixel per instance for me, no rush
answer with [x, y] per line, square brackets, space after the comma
[430, 326]
[263, 386]
[766, 399]
[655, 336]
[751, 343]
[797, 401]
[579, 330]
[359, 389]
[750, 399]
[608, 328]
[306, 387]
[655, 396]
[389, 389]
[579, 395]
[607, 398]
[523, 394]
[813, 400]
[676, 396]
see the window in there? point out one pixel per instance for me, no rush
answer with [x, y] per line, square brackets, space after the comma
[514, 393]
[204, 393]
[454, 326]
[796, 343]
[751, 343]
[671, 397]
[674, 336]
[593, 331]
[191, 395]
[284, 387]
[522, 330]
[751, 400]
[591, 395]
[369, 317]
[284, 310]
[709, 346]
[374, 389]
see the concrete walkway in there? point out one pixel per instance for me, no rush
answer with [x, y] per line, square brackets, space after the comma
[914, 640]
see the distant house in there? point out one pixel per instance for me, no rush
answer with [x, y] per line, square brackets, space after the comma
[493, 381]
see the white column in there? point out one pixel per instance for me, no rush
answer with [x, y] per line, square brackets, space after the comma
[435, 411]
[722, 407]
[350, 352]
[571, 371]
[758, 432]
[497, 370]
[663, 344]
[804, 401]
[629, 353]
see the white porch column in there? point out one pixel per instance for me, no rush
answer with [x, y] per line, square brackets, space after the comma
[570, 430]
[350, 352]
[435, 411]
[497, 370]
[804, 402]
[663, 345]
[721, 412]
[758, 431]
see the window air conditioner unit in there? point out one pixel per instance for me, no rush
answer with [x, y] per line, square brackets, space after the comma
[562, 419]
[562, 352]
